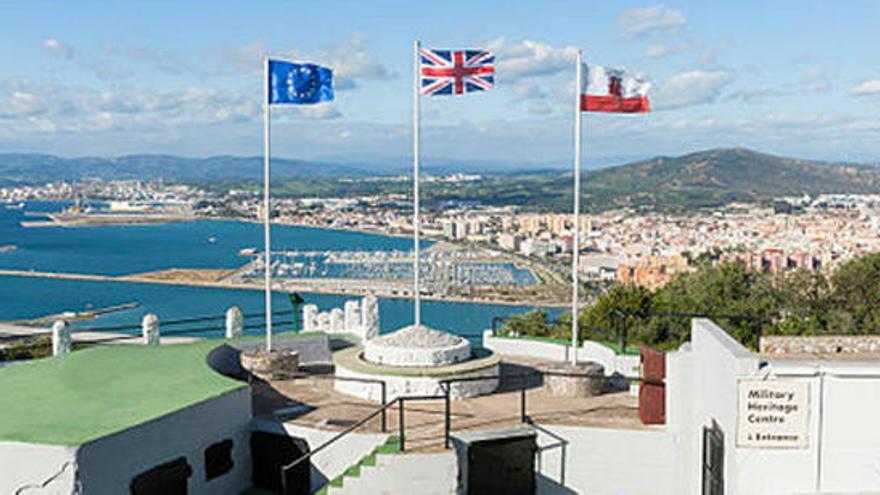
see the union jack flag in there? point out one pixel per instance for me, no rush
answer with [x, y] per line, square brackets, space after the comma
[448, 72]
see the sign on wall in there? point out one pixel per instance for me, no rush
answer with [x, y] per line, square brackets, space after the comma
[773, 414]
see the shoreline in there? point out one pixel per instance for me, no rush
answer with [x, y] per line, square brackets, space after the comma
[150, 278]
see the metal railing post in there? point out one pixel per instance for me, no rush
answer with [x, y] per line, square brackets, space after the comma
[384, 409]
[400, 424]
[448, 416]
[522, 400]
[562, 464]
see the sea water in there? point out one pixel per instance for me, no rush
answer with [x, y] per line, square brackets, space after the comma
[120, 250]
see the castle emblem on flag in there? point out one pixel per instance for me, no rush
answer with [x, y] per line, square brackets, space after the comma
[611, 89]
[455, 72]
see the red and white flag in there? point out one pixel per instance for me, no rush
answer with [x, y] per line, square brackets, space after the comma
[609, 89]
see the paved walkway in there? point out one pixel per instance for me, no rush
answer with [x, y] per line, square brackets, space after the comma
[313, 402]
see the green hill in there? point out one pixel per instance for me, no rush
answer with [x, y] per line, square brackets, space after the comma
[720, 176]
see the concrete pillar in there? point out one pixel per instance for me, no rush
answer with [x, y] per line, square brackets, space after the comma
[60, 338]
[323, 321]
[337, 320]
[353, 316]
[234, 322]
[370, 316]
[150, 329]
[310, 317]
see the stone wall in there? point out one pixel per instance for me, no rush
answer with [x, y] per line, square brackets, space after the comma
[825, 344]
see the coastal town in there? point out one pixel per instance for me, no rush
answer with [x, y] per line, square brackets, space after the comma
[641, 247]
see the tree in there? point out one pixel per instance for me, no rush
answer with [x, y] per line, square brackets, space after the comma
[531, 323]
[856, 292]
[603, 319]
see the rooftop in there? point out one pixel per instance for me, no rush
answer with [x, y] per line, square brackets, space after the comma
[95, 392]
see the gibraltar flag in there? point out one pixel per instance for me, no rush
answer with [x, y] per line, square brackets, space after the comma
[608, 89]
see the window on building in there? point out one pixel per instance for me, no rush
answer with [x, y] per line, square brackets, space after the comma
[218, 459]
[170, 478]
[713, 460]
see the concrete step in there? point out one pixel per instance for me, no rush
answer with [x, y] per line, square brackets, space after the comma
[425, 474]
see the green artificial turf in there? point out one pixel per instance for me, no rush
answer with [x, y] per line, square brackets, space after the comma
[88, 394]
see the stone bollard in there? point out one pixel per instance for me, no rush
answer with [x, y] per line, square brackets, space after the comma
[323, 321]
[337, 320]
[352, 316]
[234, 322]
[370, 316]
[150, 329]
[60, 338]
[310, 317]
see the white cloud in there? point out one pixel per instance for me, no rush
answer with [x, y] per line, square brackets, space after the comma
[661, 50]
[351, 62]
[648, 20]
[816, 79]
[527, 90]
[530, 58]
[58, 48]
[867, 88]
[320, 111]
[690, 88]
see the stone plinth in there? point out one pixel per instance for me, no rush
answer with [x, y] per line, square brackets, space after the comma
[270, 365]
[409, 381]
[589, 382]
[417, 346]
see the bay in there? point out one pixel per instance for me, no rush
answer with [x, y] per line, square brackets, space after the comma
[120, 250]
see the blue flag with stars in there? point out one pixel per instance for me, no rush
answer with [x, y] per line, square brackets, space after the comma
[299, 83]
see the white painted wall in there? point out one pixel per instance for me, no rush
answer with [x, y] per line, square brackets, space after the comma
[30, 465]
[589, 351]
[850, 448]
[843, 455]
[399, 385]
[702, 386]
[107, 465]
[606, 461]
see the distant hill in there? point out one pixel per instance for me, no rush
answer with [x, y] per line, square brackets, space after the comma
[723, 175]
[703, 179]
[27, 167]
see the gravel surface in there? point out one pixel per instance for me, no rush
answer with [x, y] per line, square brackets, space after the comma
[417, 337]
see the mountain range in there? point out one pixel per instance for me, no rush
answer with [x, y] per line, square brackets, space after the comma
[704, 178]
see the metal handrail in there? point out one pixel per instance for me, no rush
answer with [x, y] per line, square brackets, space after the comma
[561, 444]
[401, 401]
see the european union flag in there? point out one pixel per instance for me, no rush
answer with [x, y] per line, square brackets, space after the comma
[299, 83]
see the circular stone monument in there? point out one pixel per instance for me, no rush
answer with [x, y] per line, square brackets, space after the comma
[417, 346]
[575, 380]
[270, 365]
[413, 361]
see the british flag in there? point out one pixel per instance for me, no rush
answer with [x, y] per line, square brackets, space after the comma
[455, 72]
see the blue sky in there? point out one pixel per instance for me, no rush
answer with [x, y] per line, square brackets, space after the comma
[111, 78]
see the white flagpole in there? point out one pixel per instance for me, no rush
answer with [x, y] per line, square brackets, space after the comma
[266, 229]
[416, 220]
[576, 239]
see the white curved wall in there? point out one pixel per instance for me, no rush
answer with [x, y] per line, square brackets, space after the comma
[414, 385]
[374, 352]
